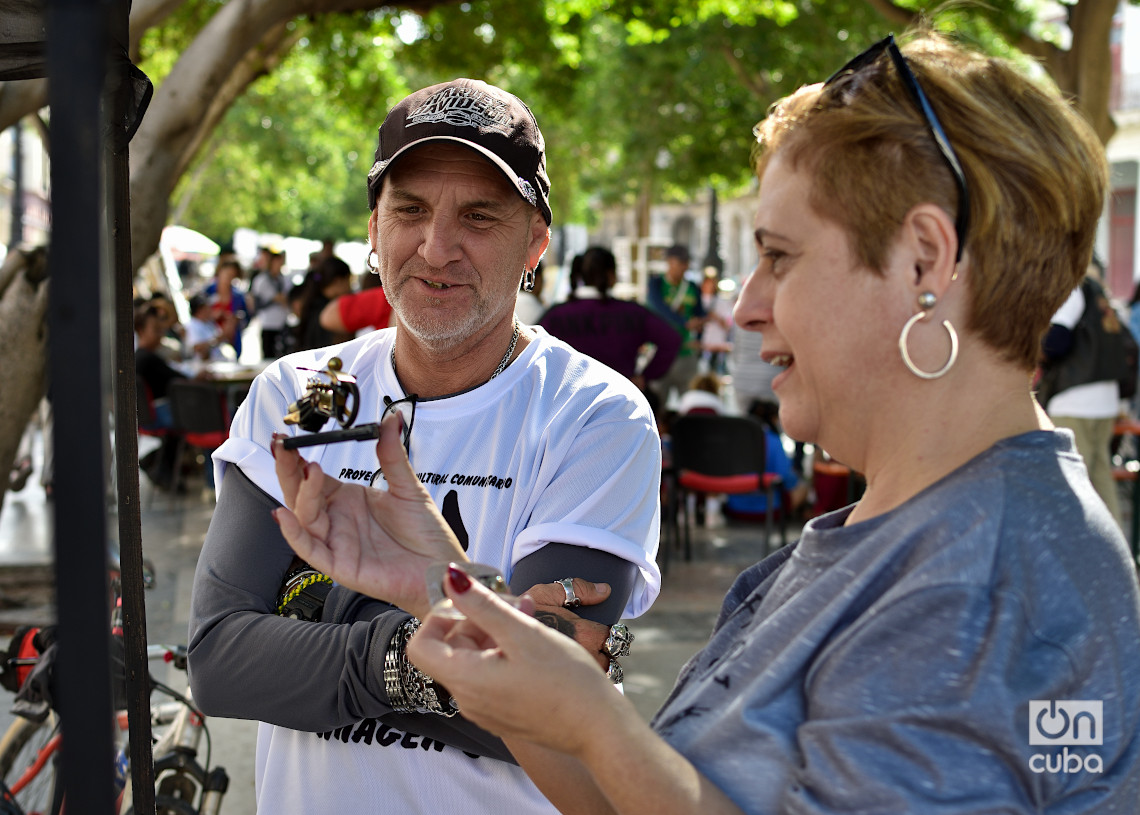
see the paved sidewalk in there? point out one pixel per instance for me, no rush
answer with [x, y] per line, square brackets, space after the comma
[174, 526]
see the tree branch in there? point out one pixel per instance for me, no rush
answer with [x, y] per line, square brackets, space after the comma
[209, 75]
[892, 13]
[756, 83]
[19, 98]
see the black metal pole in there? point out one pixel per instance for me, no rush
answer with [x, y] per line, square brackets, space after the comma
[17, 230]
[126, 429]
[713, 259]
[77, 46]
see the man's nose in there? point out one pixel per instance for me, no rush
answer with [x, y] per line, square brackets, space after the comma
[442, 241]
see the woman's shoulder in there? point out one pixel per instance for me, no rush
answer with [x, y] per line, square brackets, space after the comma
[1023, 516]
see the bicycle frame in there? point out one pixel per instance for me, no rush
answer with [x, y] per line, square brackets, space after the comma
[182, 784]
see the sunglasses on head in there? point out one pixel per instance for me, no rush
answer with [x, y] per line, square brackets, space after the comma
[910, 82]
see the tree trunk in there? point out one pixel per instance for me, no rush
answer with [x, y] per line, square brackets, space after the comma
[23, 339]
[1091, 76]
[241, 41]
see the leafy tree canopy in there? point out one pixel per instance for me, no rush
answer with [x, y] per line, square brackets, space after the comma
[636, 98]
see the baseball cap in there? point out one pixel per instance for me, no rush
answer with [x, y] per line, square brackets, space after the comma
[487, 119]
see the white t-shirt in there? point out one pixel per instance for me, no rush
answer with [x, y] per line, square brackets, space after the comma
[273, 315]
[1094, 400]
[199, 331]
[556, 448]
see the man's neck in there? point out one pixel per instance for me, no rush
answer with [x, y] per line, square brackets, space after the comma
[431, 373]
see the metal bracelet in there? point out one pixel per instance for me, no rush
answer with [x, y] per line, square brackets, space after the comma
[394, 657]
[409, 689]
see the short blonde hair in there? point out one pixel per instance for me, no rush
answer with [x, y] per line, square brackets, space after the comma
[1036, 173]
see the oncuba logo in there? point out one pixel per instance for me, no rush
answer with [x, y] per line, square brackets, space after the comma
[1066, 723]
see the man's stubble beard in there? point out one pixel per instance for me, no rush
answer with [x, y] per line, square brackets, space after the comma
[440, 331]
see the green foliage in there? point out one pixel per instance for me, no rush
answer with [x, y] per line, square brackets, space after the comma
[292, 154]
[634, 97]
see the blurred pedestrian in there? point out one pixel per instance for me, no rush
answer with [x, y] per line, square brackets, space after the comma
[678, 300]
[610, 330]
[270, 291]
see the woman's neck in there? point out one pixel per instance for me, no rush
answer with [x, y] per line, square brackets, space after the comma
[954, 426]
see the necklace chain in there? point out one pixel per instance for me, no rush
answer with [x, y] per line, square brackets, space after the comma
[503, 363]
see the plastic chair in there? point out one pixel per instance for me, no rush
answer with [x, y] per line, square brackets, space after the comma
[201, 419]
[719, 454]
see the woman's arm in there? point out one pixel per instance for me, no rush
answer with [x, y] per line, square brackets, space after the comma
[517, 679]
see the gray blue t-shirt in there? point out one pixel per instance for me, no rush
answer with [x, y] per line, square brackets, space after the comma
[974, 650]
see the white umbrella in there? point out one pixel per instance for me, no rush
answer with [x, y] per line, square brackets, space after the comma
[184, 239]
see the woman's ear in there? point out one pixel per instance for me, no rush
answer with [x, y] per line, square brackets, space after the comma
[929, 236]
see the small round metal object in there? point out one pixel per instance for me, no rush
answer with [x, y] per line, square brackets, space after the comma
[572, 600]
[614, 673]
[927, 300]
[618, 642]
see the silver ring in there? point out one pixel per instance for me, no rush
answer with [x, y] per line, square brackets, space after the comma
[572, 600]
[618, 642]
[614, 673]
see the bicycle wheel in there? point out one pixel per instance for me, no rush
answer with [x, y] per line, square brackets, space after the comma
[18, 751]
[165, 805]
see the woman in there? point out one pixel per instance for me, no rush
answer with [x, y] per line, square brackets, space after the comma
[228, 305]
[611, 331]
[931, 648]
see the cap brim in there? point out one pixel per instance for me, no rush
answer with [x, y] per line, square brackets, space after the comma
[504, 168]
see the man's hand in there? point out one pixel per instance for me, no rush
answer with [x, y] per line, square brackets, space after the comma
[548, 599]
[372, 541]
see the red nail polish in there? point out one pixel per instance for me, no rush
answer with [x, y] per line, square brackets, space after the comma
[459, 579]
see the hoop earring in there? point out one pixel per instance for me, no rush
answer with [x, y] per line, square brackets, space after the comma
[528, 279]
[373, 265]
[927, 301]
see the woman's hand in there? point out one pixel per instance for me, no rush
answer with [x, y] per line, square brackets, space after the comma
[375, 542]
[510, 673]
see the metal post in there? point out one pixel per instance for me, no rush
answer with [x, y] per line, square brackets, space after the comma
[17, 226]
[713, 259]
[77, 45]
[126, 427]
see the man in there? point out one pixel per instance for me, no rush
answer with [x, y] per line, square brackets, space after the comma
[1083, 357]
[521, 442]
[678, 300]
[270, 290]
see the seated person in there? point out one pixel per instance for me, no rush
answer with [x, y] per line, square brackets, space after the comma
[750, 506]
[365, 310]
[151, 369]
[204, 337]
[154, 376]
[703, 396]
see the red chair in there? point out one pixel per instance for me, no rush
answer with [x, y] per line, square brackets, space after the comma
[719, 454]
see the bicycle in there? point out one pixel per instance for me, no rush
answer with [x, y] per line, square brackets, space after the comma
[29, 781]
